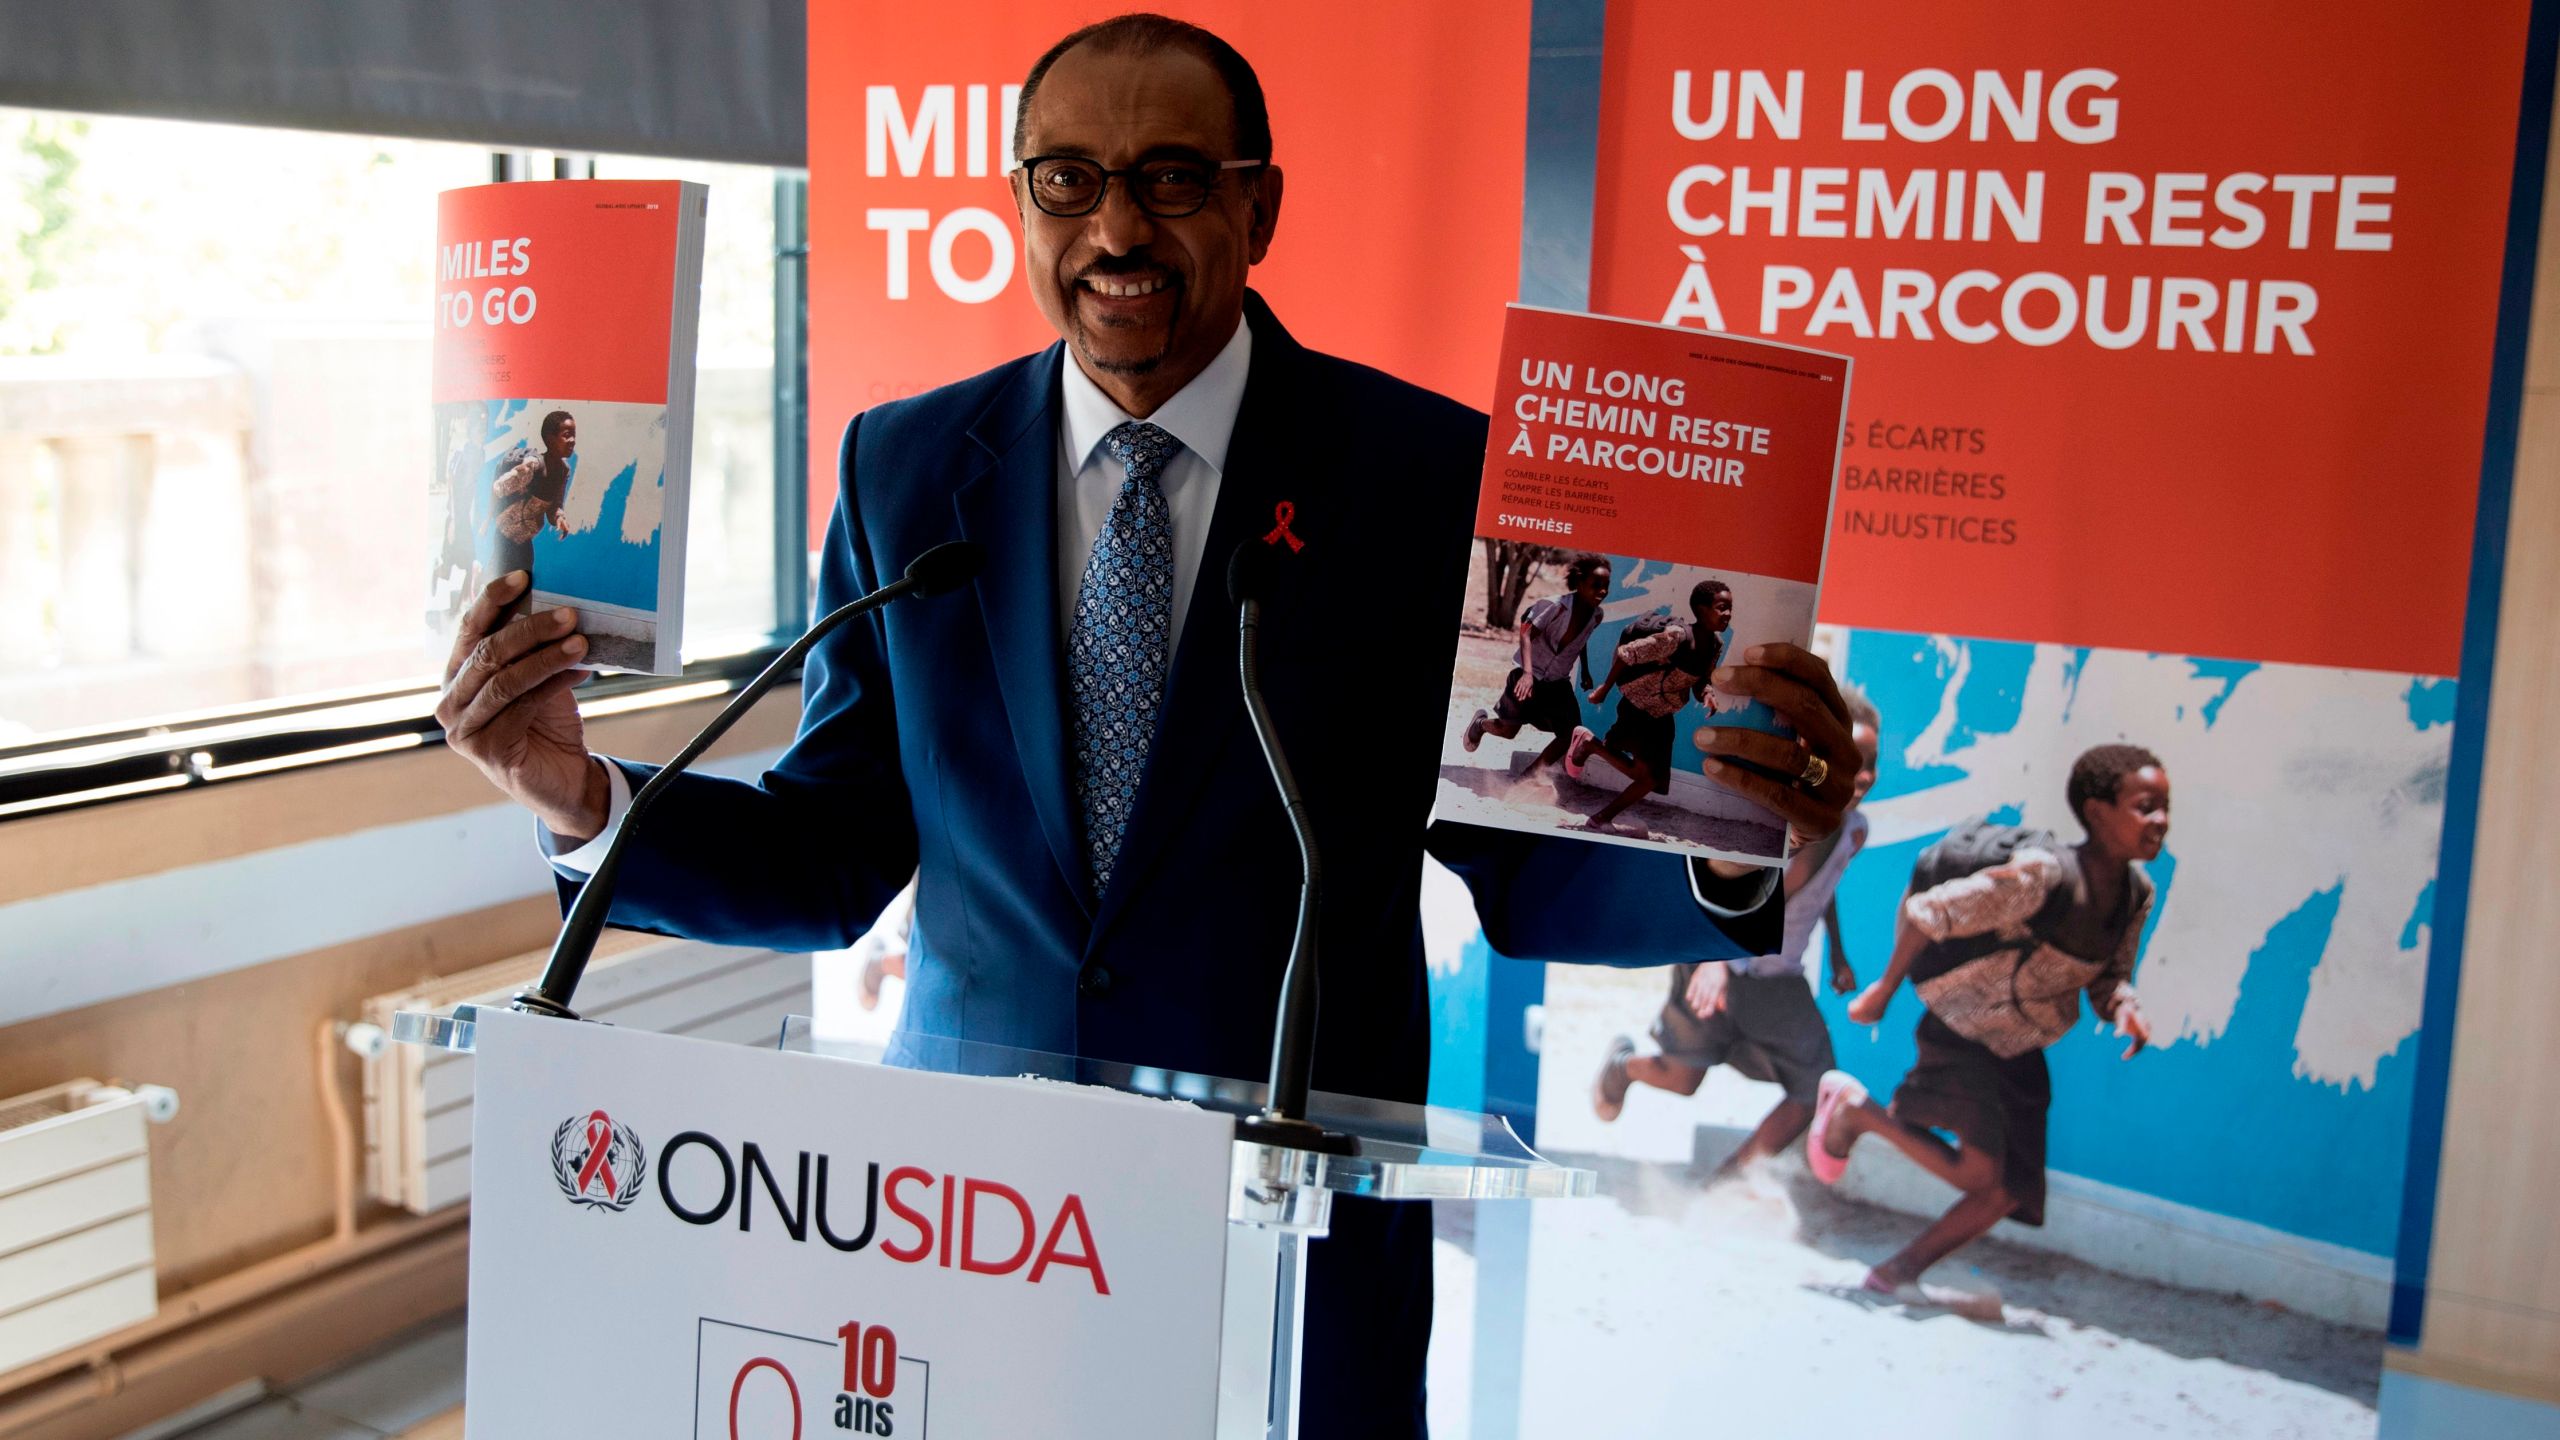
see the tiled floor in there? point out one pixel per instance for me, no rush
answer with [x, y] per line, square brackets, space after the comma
[404, 1389]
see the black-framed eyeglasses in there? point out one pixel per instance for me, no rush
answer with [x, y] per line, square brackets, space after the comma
[1069, 186]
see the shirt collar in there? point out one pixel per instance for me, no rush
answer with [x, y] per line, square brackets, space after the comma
[1202, 414]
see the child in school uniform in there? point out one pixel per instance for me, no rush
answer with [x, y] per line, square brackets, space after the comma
[1538, 693]
[1758, 1016]
[2004, 955]
[1660, 665]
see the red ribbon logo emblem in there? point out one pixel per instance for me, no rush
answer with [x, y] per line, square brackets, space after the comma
[1284, 512]
[599, 1164]
[607, 1173]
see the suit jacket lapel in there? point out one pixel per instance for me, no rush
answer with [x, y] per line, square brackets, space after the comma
[1010, 507]
[1204, 707]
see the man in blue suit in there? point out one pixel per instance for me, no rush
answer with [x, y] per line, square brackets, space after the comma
[1061, 756]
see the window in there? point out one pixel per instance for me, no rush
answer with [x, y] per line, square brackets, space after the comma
[214, 424]
[729, 569]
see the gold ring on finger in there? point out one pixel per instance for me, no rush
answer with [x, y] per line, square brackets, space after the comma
[1815, 771]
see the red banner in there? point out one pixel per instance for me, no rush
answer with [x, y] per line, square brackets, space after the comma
[2173, 323]
[1400, 129]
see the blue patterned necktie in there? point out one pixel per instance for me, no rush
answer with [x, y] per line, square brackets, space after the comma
[1118, 647]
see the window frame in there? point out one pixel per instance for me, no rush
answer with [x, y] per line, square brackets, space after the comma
[80, 769]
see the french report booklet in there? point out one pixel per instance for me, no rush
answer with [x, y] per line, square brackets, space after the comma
[1656, 501]
[566, 313]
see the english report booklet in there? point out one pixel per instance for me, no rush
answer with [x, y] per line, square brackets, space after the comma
[566, 313]
[1656, 501]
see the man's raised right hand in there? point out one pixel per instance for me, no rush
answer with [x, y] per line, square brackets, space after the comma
[507, 708]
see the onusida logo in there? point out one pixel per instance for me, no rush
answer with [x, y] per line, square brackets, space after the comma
[916, 1217]
[598, 1163]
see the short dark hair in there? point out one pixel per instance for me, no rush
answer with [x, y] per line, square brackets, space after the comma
[1141, 33]
[1579, 568]
[1700, 592]
[552, 422]
[2099, 774]
[1862, 711]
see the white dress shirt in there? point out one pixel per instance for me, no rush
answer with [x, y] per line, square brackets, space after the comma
[1202, 415]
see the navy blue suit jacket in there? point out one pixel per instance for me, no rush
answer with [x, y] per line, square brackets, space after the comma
[934, 735]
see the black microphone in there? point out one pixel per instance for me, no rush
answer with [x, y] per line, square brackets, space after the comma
[1283, 1120]
[944, 567]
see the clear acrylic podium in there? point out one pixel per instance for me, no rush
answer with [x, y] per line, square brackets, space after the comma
[1276, 1199]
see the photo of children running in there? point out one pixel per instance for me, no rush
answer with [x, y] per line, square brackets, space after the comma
[2001, 931]
[1525, 747]
[1538, 694]
[1661, 664]
[1759, 1016]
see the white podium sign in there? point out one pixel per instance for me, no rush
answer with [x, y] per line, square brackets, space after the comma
[676, 1238]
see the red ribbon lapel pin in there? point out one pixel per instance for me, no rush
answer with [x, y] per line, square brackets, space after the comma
[1284, 512]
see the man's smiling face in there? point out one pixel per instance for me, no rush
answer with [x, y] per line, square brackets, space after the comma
[1145, 302]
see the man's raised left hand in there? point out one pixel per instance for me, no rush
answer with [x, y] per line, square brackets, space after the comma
[1797, 684]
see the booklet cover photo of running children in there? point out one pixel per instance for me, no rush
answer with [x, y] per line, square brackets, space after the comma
[566, 313]
[1655, 502]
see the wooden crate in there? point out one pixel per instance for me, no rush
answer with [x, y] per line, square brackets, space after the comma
[75, 1219]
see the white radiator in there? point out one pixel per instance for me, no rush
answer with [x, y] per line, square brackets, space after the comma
[75, 1218]
[417, 1110]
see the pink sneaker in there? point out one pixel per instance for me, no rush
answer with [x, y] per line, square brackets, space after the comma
[1475, 732]
[1578, 750]
[1838, 1088]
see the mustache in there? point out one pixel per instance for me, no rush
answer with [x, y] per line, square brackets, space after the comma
[1123, 265]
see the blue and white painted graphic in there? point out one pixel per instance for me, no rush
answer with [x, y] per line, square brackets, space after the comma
[2286, 959]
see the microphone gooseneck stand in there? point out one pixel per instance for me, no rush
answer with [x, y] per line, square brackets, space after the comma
[1283, 1120]
[944, 567]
